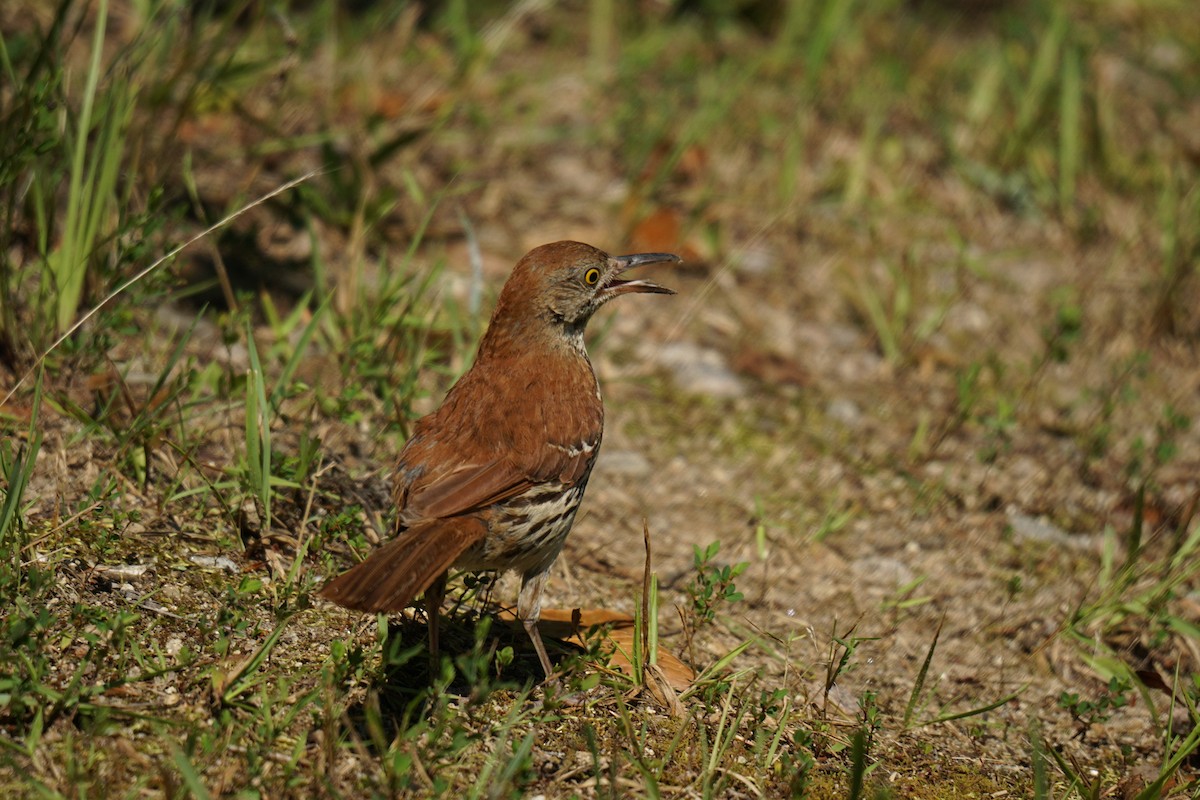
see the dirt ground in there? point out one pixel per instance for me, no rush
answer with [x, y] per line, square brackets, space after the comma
[950, 427]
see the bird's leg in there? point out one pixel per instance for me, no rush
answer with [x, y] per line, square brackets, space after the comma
[529, 609]
[433, 604]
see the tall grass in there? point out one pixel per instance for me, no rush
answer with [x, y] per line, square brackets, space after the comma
[96, 147]
[62, 175]
[17, 460]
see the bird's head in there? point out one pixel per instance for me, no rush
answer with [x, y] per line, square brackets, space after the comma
[565, 282]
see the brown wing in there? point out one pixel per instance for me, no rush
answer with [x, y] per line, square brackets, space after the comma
[465, 489]
[471, 454]
[470, 488]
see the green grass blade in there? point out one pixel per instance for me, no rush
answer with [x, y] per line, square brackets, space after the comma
[1041, 777]
[976, 711]
[919, 686]
[1183, 751]
[1041, 76]
[1070, 134]
[258, 431]
[859, 746]
[191, 778]
[18, 469]
[298, 355]
[68, 269]
[243, 679]
[830, 28]
[652, 622]
[714, 669]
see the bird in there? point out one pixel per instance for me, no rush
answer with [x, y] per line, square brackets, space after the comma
[492, 479]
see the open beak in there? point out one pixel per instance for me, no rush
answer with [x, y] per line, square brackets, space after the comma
[621, 264]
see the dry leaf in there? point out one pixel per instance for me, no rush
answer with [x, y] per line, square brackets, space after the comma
[658, 233]
[561, 623]
[679, 676]
[662, 232]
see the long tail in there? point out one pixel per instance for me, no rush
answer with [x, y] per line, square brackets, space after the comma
[391, 577]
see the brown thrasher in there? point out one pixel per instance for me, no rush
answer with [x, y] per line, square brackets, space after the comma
[492, 479]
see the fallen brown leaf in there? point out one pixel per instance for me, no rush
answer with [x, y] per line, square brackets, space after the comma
[617, 633]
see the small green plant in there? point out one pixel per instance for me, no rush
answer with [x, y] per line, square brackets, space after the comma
[714, 584]
[861, 764]
[26, 663]
[1067, 329]
[1088, 712]
[482, 667]
[798, 763]
[999, 426]
[841, 655]
[712, 587]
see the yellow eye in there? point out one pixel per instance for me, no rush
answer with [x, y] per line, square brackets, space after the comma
[591, 276]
